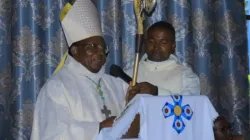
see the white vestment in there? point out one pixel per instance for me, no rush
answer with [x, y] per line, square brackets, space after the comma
[170, 76]
[69, 106]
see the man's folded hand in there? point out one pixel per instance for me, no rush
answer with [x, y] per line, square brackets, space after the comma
[146, 87]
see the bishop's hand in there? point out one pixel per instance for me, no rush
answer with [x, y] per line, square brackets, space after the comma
[134, 129]
[107, 123]
[131, 92]
[143, 87]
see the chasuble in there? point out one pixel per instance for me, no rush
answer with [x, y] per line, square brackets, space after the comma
[70, 107]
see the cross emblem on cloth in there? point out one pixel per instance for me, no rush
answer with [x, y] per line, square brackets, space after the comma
[105, 111]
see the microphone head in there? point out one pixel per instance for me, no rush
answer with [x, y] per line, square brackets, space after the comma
[115, 70]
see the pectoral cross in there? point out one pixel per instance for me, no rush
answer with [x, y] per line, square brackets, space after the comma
[105, 111]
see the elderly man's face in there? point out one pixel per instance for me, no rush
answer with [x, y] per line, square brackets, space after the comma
[90, 53]
[222, 129]
[160, 44]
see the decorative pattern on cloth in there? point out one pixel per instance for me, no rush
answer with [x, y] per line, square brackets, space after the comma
[178, 111]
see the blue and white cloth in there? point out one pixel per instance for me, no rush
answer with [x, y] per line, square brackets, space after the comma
[167, 118]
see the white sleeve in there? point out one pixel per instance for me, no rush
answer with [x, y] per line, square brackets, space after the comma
[163, 92]
[190, 83]
[53, 121]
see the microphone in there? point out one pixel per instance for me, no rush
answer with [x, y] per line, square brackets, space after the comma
[116, 71]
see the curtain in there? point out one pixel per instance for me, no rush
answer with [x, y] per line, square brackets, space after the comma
[31, 45]
[210, 38]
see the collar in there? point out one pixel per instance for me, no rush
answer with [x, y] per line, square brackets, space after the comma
[78, 68]
[158, 66]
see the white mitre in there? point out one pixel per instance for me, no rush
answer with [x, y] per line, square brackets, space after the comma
[81, 22]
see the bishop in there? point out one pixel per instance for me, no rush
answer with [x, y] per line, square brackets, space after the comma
[69, 105]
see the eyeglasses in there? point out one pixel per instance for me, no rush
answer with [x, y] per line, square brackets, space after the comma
[91, 47]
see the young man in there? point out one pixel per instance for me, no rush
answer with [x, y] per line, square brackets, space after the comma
[79, 100]
[159, 72]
